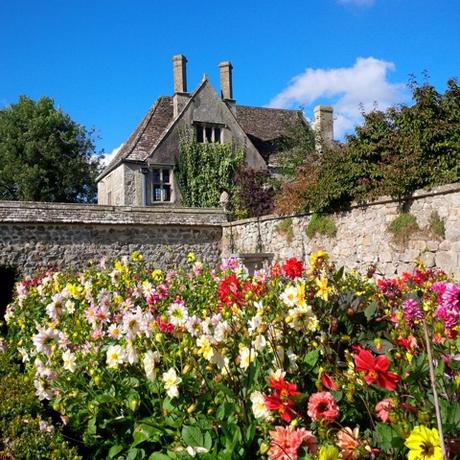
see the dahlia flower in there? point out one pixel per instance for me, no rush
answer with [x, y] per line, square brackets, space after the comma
[322, 406]
[423, 444]
[285, 442]
[376, 369]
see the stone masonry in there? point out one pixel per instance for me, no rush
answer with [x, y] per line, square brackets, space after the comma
[71, 235]
[362, 238]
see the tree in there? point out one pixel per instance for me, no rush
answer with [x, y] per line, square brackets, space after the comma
[45, 155]
[394, 152]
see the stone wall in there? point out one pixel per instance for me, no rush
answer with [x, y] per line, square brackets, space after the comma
[362, 238]
[71, 235]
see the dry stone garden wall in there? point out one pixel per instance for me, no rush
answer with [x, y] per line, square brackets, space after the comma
[71, 235]
[362, 237]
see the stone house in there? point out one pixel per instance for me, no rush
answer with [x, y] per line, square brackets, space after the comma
[143, 171]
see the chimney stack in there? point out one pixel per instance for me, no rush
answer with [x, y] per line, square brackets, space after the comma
[324, 126]
[180, 73]
[226, 84]
[181, 96]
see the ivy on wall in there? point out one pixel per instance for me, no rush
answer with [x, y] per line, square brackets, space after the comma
[206, 170]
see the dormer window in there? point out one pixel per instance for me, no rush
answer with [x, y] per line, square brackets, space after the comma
[208, 133]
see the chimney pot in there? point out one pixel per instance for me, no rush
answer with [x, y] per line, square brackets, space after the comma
[226, 84]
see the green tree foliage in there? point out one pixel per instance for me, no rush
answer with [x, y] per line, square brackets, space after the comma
[206, 170]
[394, 153]
[44, 155]
[298, 144]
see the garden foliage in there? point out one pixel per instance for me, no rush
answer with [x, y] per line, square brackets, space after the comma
[291, 363]
[206, 170]
[254, 193]
[45, 155]
[26, 430]
[394, 152]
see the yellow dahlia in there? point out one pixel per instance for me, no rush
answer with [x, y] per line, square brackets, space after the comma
[423, 444]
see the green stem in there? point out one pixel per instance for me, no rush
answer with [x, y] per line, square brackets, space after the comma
[435, 393]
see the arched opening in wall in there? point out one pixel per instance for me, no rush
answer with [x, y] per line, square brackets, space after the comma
[8, 276]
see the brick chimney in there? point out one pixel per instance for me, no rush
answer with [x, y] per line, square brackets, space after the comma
[181, 96]
[324, 127]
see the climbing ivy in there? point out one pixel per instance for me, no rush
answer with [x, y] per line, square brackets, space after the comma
[206, 170]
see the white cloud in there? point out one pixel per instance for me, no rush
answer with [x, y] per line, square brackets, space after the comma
[357, 2]
[348, 89]
[108, 157]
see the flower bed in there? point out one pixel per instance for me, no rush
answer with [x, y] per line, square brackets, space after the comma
[292, 363]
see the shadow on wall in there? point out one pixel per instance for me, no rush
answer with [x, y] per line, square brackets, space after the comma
[8, 276]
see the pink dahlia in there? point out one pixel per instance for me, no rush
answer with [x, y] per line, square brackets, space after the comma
[449, 305]
[322, 406]
[412, 311]
[285, 442]
[383, 409]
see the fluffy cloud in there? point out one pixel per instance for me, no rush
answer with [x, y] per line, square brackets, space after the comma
[350, 90]
[108, 157]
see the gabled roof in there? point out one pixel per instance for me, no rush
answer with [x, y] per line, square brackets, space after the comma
[261, 125]
[264, 126]
[265, 123]
[147, 133]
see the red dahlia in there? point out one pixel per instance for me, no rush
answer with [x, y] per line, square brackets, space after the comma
[293, 268]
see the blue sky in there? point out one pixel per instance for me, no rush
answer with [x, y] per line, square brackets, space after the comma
[105, 62]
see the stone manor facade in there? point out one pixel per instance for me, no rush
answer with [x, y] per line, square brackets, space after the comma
[143, 171]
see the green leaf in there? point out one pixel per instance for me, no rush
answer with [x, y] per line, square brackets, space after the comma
[134, 454]
[311, 358]
[370, 310]
[143, 433]
[114, 450]
[338, 276]
[92, 427]
[250, 433]
[158, 456]
[192, 436]
[207, 440]
[387, 437]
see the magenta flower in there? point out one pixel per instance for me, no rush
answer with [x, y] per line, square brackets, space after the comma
[449, 305]
[412, 311]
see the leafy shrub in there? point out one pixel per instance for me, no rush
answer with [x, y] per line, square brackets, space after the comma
[437, 226]
[25, 430]
[285, 228]
[403, 227]
[322, 225]
[394, 152]
[253, 194]
[221, 365]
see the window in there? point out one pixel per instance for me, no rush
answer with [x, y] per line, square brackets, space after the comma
[161, 185]
[208, 133]
[109, 198]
